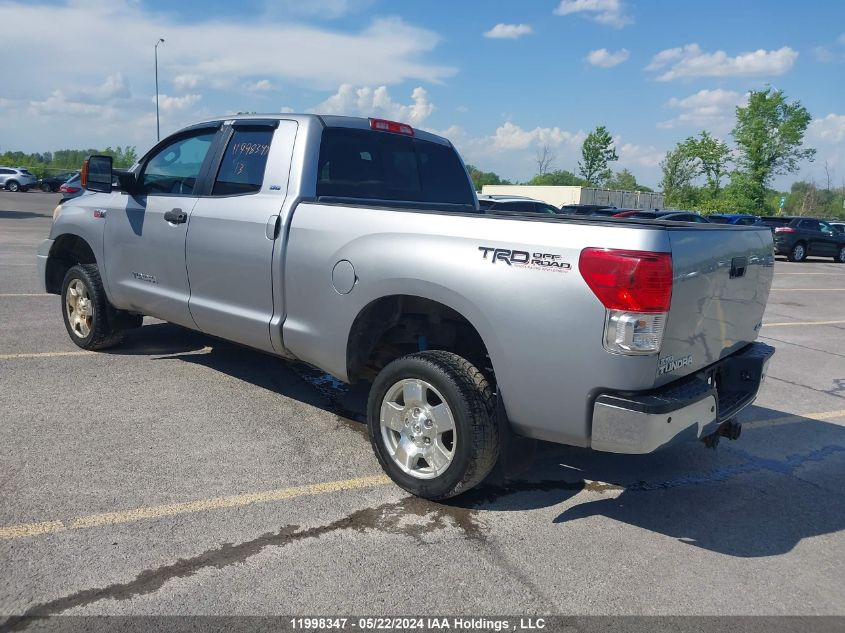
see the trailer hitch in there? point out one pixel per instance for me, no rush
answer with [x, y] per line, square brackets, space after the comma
[730, 429]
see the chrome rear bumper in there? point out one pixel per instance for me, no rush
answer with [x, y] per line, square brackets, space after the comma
[687, 409]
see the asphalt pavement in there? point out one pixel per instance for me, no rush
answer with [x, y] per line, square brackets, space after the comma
[179, 474]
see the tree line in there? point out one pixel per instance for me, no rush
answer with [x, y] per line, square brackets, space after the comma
[704, 173]
[63, 160]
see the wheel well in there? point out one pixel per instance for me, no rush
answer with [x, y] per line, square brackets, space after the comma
[393, 326]
[68, 251]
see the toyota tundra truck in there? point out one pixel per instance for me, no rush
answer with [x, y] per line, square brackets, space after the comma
[357, 246]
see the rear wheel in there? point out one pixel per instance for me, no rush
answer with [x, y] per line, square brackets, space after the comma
[12, 185]
[431, 422]
[88, 316]
[46, 188]
[798, 253]
[841, 256]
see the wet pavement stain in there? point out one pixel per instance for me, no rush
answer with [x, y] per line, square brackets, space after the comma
[412, 516]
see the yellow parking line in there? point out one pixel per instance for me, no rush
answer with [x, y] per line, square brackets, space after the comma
[31, 529]
[803, 323]
[216, 503]
[44, 354]
[789, 419]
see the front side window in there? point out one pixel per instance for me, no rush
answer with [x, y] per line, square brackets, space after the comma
[825, 228]
[242, 169]
[174, 169]
[384, 166]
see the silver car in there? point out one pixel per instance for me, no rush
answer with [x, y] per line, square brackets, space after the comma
[16, 178]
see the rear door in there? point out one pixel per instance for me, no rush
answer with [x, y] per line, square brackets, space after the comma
[811, 233]
[144, 240]
[235, 229]
[721, 281]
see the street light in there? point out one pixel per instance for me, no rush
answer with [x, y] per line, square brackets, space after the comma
[158, 128]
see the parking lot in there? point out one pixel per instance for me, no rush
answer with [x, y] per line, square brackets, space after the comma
[179, 474]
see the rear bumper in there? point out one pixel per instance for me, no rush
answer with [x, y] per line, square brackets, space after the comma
[686, 409]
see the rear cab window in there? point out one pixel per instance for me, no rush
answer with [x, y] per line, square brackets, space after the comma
[242, 168]
[375, 165]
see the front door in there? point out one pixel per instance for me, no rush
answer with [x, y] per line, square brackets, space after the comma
[145, 234]
[234, 231]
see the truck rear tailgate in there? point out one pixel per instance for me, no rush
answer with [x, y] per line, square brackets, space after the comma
[721, 282]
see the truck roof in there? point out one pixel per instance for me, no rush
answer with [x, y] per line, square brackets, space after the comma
[360, 123]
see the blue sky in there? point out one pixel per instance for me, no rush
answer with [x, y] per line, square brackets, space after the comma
[501, 78]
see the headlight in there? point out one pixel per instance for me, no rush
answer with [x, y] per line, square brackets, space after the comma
[57, 211]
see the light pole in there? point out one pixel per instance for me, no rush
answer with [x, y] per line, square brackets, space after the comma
[158, 128]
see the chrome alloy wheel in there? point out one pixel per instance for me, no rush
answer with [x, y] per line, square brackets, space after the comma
[80, 311]
[418, 428]
[798, 252]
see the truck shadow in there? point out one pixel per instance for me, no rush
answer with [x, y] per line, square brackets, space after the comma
[759, 496]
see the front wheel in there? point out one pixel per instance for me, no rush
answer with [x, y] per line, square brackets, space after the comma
[841, 256]
[88, 317]
[798, 253]
[431, 423]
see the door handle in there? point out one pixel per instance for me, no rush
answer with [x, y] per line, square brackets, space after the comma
[176, 216]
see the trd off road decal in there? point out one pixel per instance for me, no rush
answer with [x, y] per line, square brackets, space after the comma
[524, 259]
[669, 364]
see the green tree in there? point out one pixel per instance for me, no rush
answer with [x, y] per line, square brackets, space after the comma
[626, 181]
[679, 171]
[560, 177]
[769, 133]
[713, 158]
[481, 178]
[596, 152]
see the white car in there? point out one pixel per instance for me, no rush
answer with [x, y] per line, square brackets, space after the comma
[16, 178]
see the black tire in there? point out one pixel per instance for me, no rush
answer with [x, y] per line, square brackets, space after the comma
[472, 403]
[840, 258]
[798, 252]
[102, 331]
[12, 185]
[46, 187]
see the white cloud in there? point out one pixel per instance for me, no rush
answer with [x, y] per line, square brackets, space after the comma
[326, 9]
[166, 102]
[829, 129]
[603, 58]
[187, 81]
[262, 85]
[609, 12]
[713, 109]
[286, 110]
[511, 136]
[631, 154]
[508, 31]
[692, 61]
[367, 101]
[58, 103]
[114, 87]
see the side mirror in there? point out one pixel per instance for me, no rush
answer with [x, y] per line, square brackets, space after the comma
[97, 174]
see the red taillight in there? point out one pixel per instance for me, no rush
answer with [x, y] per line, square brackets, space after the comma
[637, 281]
[784, 229]
[67, 189]
[391, 126]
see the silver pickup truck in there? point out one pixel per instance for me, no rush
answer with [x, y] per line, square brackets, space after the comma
[357, 246]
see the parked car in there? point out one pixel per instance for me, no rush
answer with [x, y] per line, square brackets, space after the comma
[16, 179]
[740, 219]
[673, 216]
[72, 188]
[587, 209]
[52, 183]
[356, 246]
[514, 204]
[800, 237]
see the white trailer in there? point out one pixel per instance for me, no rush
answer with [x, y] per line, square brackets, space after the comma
[561, 195]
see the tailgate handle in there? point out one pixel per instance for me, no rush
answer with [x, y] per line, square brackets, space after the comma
[738, 266]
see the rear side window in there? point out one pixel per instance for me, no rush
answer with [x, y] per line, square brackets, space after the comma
[518, 206]
[810, 225]
[384, 166]
[242, 169]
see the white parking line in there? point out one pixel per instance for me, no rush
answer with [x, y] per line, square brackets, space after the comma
[788, 323]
